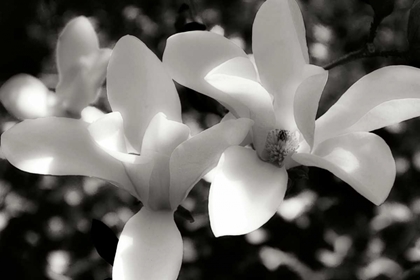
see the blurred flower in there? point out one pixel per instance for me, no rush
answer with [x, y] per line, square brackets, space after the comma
[282, 99]
[142, 147]
[81, 73]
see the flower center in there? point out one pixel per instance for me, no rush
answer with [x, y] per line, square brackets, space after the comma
[280, 144]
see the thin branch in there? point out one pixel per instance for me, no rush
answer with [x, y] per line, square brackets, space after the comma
[365, 52]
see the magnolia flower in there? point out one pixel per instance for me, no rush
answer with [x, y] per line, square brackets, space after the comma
[142, 147]
[281, 94]
[81, 73]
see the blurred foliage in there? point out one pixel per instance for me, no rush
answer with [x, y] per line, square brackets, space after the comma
[323, 230]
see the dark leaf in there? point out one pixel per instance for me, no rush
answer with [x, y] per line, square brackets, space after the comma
[382, 8]
[413, 33]
[412, 274]
[104, 240]
[185, 20]
[184, 213]
[192, 26]
[183, 8]
[299, 172]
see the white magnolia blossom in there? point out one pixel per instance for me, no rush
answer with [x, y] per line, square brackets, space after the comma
[81, 72]
[281, 94]
[141, 146]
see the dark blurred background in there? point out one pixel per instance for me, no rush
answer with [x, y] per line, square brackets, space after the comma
[323, 230]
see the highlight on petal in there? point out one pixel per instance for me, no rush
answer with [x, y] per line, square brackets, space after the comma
[254, 97]
[361, 159]
[163, 136]
[388, 113]
[26, 97]
[306, 102]
[108, 134]
[190, 56]
[194, 158]
[150, 247]
[387, 84]
[60, 146]
[246, 192]
[239, 67]
[77, 39]
[91, 114]
[280, 50]
[139, 88]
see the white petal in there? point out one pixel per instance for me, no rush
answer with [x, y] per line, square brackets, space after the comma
[238, 67]
[306, 102]
[248, 139]
[280, 50]
[383, 85]
[91, 114]
[361, 159]
[388, 113]
[190, 56]
[254, 97]
[108, 133]
[245, 192]
[139, 88]
[26, 97]
[80, 84]
[163, 136]
[150, 247]
[191, 160]
[78, 39]
[60, 146]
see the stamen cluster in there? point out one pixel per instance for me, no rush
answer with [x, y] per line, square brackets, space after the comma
[280, 144]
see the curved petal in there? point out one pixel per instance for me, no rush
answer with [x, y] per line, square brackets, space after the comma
[361, 159]
[150, 247]
[26, 97]
[163, 136]
[140, 173]
[60, 146]
[248, 139]
[245, 192]
[306, 102]
[108, 133]
[383, 85]
[388, 113]
[77, 39]
[191, 160]
[280, 50]
[190, 56]
[81, 83]
[91, 114]
[252, 95]
[139, 88]
[238, 67]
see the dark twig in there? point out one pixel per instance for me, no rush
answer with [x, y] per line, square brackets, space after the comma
[367, 51]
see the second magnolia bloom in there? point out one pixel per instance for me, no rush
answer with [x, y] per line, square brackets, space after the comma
[142, 147]
[281, 94]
